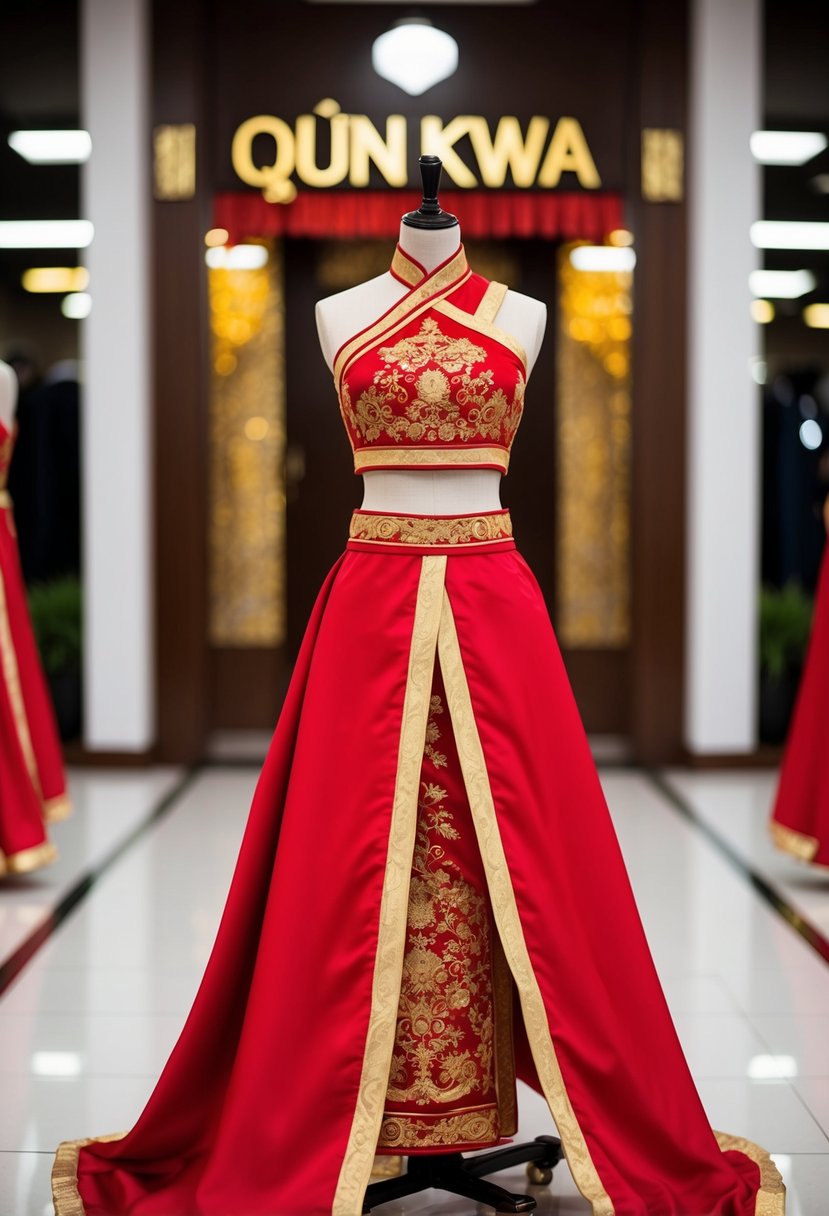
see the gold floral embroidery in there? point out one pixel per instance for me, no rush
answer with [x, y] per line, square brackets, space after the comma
[444, 1048]
[428, 392]
[430, 530]
[465, 1127]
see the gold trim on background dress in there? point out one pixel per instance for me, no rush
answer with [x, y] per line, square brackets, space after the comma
[57, 808]
[11, 675]
[26, 860]
[507, 919]
[5, 500]
[771, 1197]
[796, 844]
[391, 941]
[65, 1196]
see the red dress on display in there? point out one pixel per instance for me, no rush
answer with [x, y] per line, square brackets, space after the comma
[800, 820]
[429, 895]
[32, 781]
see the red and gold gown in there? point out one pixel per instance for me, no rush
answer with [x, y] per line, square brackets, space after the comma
[800, 818]
[429, 897]
[32, 781]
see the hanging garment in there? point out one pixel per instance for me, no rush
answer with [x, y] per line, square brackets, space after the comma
[32, 781]
[429, 895]
[800, 819]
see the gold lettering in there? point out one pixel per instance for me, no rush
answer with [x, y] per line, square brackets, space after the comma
[509, 149]
[306, 146]
[439, 140]
[568, 152]
[389, 155]
[274, 180]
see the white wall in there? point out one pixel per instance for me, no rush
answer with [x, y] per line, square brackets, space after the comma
[117, 557]
[724, 408]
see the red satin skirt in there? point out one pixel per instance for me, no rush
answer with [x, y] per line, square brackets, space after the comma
[32, 781]
[355, 985]
[800, 820]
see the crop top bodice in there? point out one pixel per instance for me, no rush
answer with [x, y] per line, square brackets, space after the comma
[433, 383]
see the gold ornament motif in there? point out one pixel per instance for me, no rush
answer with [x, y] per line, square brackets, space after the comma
[426, 383]
[464, 1127]
[428, 530]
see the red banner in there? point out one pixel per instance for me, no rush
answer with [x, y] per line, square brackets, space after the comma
[345, 214]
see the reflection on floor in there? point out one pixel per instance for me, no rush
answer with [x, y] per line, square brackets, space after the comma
[91, 1019]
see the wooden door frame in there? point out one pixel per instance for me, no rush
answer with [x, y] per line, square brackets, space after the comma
[659, 89]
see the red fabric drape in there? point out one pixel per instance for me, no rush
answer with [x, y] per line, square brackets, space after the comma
[376, 213]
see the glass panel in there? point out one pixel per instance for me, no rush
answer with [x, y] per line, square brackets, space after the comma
[593, 419]
[247, 448]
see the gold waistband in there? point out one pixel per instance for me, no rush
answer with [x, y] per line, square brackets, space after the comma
[5, 499]
[374, 528]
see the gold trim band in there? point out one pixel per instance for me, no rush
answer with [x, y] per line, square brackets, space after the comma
[58, 808]
[797, 844]
[461, 530]
[65, 1197]
[771, 1197]
[11, 675]
[507, 919]
[391, 939]
[26, 860]
[5, 500]
[386, 458]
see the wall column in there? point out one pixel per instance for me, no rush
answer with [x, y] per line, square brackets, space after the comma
[724, 414]
[117, 558]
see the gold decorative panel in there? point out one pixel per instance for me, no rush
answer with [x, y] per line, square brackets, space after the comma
[247, 454]
[663, 165]
[174, 162]
[593, 422]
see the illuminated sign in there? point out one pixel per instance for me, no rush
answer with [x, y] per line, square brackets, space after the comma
[537, 157]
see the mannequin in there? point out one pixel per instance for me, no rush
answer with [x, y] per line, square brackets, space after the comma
[339, 317]
[8, 396]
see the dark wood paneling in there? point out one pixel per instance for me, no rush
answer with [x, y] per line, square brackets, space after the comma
[658, 505]
[180, 396]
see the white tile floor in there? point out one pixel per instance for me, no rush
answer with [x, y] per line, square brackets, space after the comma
[87, 1025]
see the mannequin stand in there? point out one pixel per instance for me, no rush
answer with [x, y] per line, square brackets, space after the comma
[463, 1175]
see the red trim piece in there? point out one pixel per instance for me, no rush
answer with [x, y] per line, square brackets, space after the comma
[564, 215]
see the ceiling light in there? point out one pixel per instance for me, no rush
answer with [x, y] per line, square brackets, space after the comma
[602, 257]
[52, 147]
[76, 306]
[789, 234]
[781, 284]
[772, 1068]
[55, 278]
[237, 257]
[811, 436]
[620, 237]
[762, 311]
[816, 316]
[786, 147]
[45, 234]
[414, 55]
[57, 1063]
[216, 236]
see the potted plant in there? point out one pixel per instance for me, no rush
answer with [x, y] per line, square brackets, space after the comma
[55, 609]
[785, 625]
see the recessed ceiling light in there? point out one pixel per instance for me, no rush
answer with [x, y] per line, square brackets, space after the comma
[786, 147]
[52, 147]
[602, 258]
[414, 55]
[45, 234]
[781, 284]
[816, 316]
[789, 234]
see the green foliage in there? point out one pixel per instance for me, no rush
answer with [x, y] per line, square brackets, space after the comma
[55, 610]
[785, 625]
